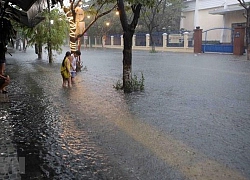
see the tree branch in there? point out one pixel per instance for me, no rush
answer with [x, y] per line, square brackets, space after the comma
[123, 16]
[97, 16]
[243, 4]
[136, 10]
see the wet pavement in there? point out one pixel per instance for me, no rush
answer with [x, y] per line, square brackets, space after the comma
[191, 122]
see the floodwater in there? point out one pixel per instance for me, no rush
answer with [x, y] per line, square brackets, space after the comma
[190, 122]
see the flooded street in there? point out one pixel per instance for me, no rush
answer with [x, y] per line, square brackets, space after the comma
[191, 122]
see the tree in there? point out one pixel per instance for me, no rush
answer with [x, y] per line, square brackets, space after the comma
[247, 8]
[52, 38]
[58, 29]
[96, 7]
[128, 26]
[100, 27]
[164, 13]
[128, 32]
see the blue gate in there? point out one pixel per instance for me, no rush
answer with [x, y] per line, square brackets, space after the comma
[217, 47]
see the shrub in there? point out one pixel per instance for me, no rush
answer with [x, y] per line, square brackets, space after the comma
[134, 85]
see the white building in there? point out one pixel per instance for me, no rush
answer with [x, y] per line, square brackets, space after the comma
[209, 14]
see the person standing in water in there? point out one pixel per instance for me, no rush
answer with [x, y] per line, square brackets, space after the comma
[74, 61]
[65, 70]
[3, 50]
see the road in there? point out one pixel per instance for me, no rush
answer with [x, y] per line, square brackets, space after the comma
[190, 122]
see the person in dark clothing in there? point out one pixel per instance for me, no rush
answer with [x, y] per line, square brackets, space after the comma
[3, 50]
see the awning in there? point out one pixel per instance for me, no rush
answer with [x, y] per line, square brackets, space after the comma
[27, 12]
[24, 4]
[230, 9]
[21, 17]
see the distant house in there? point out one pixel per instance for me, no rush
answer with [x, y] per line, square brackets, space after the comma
[213, 14]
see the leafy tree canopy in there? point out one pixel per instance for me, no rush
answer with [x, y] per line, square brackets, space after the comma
[58, 30]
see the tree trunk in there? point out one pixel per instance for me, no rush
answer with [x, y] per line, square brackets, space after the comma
[49, 40]
[128, 30]
[40, 51]
[152, 43]
[71, 18]
[50, 53]
[127, 61]
[248, 34]
[24, 44]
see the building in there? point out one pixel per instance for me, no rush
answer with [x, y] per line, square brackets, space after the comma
[217, 18]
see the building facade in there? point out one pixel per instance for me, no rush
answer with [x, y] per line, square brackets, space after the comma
[217, 18]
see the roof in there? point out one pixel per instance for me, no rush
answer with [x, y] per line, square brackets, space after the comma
[222, 11]
[210, 4]
[24, 4]
[22, 17]
[25, 12]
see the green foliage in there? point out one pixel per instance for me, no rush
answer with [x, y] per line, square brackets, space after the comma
[134, 85]
[137, 84]
[118, 85]
[163, 15]
[58, 32]
[97, 7]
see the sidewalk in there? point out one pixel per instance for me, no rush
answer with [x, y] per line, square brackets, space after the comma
[9, 166]
[3, 99]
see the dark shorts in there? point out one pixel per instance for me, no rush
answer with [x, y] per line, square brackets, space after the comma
[2, 61]
[73, 74]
